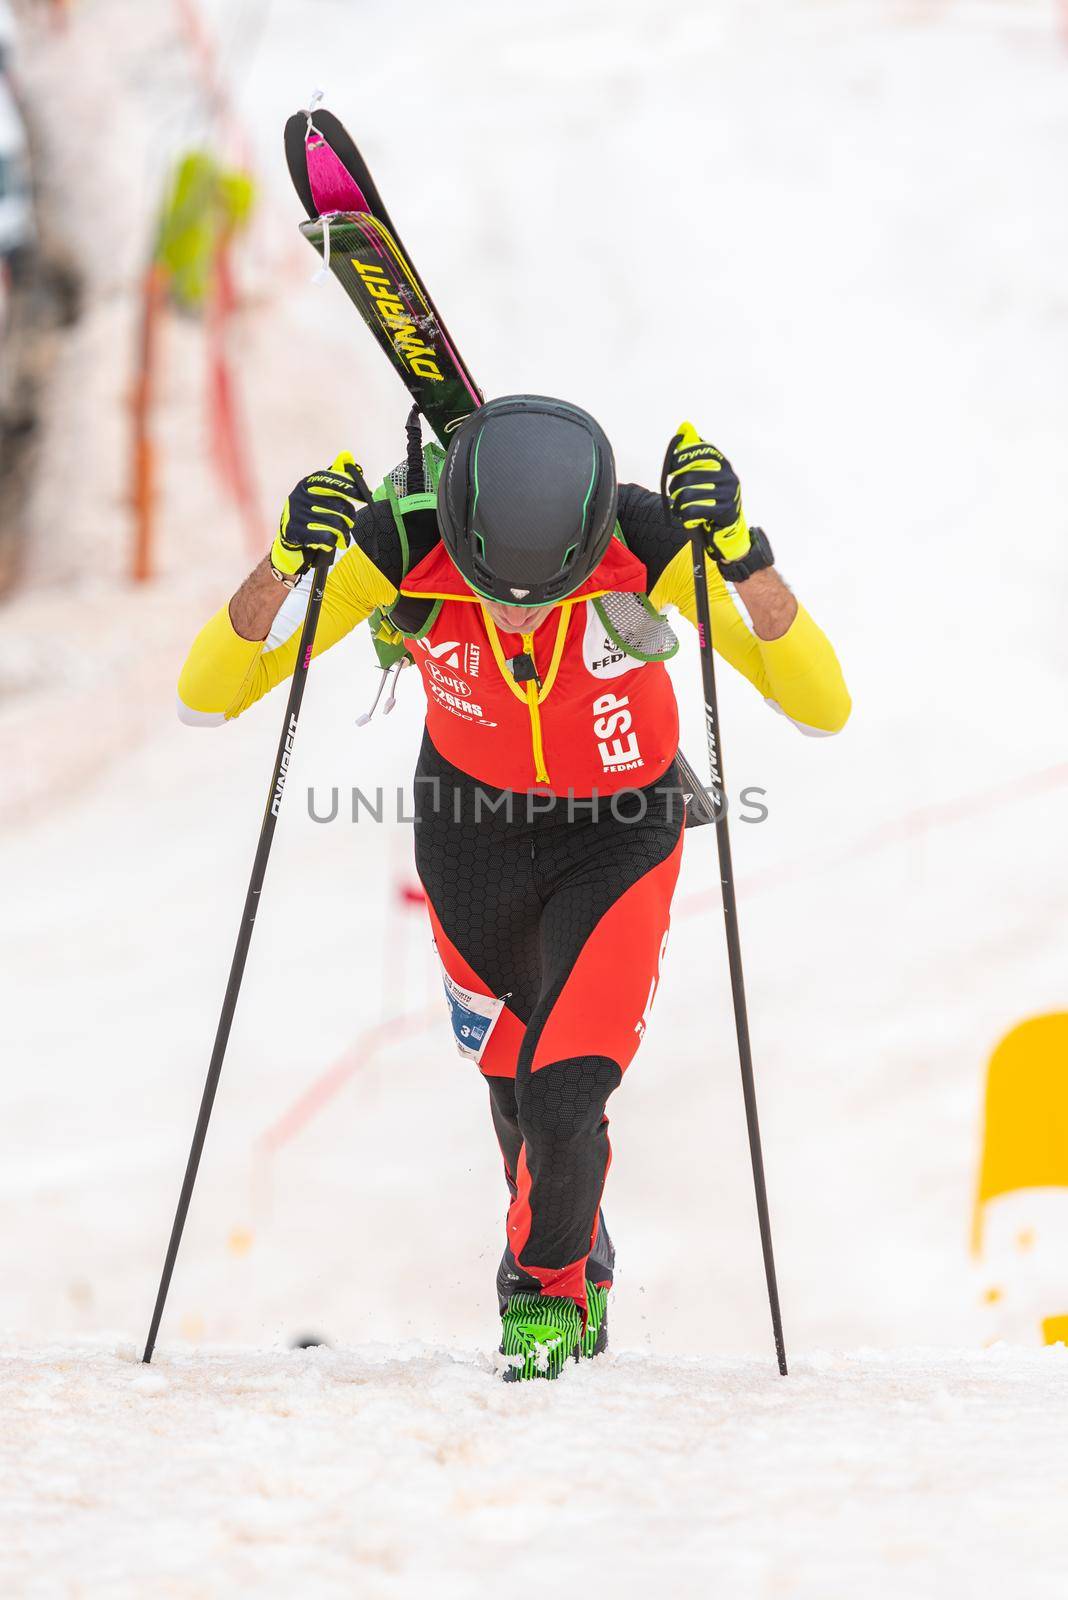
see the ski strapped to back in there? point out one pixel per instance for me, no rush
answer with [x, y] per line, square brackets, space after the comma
[351, 229]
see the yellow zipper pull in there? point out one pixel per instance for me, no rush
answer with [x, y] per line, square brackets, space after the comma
[533, 686]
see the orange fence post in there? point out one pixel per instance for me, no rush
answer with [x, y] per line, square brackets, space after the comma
[229, 441]
[143, 485]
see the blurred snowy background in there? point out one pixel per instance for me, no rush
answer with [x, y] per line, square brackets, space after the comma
[834, 235]
[832, 232]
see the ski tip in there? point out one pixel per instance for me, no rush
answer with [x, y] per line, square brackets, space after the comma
[321, 175]
[297, 161]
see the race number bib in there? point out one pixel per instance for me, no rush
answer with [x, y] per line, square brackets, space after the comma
[474, 1017]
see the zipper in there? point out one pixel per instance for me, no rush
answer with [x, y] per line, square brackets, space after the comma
[533, 688]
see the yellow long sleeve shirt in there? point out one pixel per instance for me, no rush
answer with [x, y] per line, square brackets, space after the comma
[798, 673]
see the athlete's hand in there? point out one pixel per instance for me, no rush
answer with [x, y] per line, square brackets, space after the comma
[705, 493]
[319, 515]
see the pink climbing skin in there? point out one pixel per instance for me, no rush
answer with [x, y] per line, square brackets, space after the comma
[332, 187]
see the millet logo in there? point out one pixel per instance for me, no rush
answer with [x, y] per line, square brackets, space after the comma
[447, 651]
[465, 658]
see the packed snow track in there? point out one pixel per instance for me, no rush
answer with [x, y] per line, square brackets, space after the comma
[384, 1473]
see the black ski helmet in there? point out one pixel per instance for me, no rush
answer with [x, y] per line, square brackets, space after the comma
[527, 499]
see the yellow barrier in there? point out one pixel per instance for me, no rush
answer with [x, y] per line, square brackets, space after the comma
[1025, 1132]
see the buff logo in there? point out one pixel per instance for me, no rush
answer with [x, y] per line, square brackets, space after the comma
[448, 680]
[283, 766]
[399, 324]
[613, 719]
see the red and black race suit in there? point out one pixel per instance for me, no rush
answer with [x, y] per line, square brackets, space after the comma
[588, 718]
[557, 912]
[562, 911]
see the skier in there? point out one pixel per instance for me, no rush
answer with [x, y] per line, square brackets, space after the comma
[529, 590]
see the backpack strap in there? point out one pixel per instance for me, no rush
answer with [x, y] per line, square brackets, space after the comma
[410, 614]
[633, 624]
[635, 627]
[416, 474]
[411, 491]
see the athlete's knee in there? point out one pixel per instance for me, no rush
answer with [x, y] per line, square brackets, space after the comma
[502, 1097]
[566, 1099]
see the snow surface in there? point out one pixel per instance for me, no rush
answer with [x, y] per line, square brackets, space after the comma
[847, 264]
[406, 1471]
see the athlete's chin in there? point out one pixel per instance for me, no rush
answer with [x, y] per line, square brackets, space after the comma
[517, 619]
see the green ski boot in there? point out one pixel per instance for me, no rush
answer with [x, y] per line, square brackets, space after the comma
[595, 1339]
[541, 1332]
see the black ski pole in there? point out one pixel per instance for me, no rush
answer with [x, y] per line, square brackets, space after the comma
[244, 938]
[730, 913]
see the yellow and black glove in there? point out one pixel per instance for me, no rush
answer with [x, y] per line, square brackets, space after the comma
[319, 515]
[705, 494]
